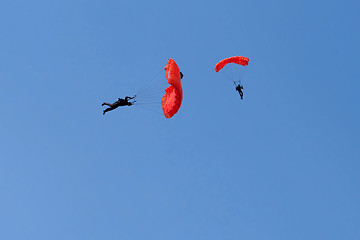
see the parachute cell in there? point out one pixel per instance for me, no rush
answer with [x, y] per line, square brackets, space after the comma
[171, 101]
[238, 60]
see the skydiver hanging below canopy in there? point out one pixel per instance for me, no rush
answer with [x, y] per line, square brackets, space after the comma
[236, 60]
[118, 103]
[238, 88]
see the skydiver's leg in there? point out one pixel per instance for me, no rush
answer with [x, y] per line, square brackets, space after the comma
[108, 109]
[241, 95]
[107, 104]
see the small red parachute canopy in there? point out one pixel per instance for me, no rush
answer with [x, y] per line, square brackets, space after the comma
[171, 101]
[238, 60]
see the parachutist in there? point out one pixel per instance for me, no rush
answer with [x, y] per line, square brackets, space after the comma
[118, 103]
[240, 60]
[238, 88]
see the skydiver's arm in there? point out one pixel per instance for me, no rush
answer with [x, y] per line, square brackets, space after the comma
[127, 98]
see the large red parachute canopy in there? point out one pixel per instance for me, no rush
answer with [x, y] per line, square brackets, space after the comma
[238, 60]
[171, 101]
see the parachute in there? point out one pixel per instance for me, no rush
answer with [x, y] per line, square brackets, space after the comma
[171, 101]
[238, 60]
[151, 96]
[233, 73]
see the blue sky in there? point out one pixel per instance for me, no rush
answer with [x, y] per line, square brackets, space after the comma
[281, 164]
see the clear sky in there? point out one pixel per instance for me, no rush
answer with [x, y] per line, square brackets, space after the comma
[281, 164]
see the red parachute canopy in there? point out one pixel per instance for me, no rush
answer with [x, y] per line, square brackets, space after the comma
[238, 60]
[171, 101]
